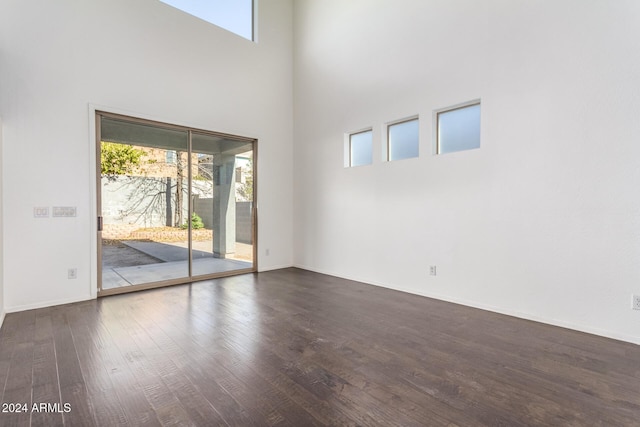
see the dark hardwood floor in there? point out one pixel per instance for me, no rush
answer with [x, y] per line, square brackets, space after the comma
[295, 348]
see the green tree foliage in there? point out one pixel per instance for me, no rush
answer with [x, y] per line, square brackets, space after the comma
[119, 159]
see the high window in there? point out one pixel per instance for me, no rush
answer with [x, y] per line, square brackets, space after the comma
[458, 128]
[402, 139]
[361, 148]
[232, 15]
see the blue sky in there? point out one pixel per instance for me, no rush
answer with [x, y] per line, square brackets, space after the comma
[232, 15]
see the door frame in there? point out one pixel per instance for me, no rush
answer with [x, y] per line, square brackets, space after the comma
[95, 114]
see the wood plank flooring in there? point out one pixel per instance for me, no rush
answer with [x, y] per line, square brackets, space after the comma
[296, 348]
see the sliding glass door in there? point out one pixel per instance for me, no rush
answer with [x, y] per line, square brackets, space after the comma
[175, 204]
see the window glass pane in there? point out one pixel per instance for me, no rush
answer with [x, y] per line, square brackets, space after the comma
[403, 140]
[222, 202]
[361, 145]
[171, 156]
[232, 15]
[459, 129]
[142, 197]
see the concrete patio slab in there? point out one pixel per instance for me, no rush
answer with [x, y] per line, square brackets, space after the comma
[174, 266]
[175, 270]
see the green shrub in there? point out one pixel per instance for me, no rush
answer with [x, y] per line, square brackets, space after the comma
[196, 222]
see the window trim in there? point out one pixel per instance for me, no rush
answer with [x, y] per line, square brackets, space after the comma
[436, 121]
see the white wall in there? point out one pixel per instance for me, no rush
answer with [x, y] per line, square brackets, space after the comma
[543, 221]
[58, 59]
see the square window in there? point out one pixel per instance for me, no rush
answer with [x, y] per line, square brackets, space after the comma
[361, 148]
[402, 140]
[458, 128]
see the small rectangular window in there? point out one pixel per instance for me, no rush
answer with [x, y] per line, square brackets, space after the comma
[458, 128]
[171, 157]
[402, 140]
[235, 16]
[361, 148]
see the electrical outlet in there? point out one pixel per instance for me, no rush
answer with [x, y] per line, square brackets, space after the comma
[41, 212]
[267, 252]
[636, 302]
[432, 270]
[72, 273]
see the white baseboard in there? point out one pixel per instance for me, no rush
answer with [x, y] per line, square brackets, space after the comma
[274, 267]
[44, 304]
[553, 322]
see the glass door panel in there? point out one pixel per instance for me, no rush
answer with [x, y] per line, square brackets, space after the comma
[144, 203]
[222, 205]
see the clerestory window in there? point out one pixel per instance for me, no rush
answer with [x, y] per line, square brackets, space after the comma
[458, 128]
[402, 140]
[361, 148]
[232, 15]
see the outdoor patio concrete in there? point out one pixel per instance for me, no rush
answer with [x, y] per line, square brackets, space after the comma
[175, 266]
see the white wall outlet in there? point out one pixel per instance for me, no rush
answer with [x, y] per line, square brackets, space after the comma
[267, 252]
[41, 212]
[635, 304]
[72, 273]
[432, 270]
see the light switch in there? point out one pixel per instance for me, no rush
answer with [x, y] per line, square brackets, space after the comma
[64, 211]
